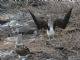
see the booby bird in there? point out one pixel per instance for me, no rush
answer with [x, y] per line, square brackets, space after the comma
[41, 24]
[62, 23]
[50, 30]
[21, 50]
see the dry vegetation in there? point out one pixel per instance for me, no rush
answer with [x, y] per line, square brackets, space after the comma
[41, 48]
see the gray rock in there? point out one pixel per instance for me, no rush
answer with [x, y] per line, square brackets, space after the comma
[8, 55]
[77, 57]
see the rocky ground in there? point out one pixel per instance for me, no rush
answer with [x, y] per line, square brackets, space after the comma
[40, 46]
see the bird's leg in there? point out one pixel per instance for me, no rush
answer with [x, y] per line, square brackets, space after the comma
[10, 32]
[49, 38]
[36, 33]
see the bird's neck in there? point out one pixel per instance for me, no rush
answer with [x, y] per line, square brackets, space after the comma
[50, 24]
[19, 39]
[51, 28]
